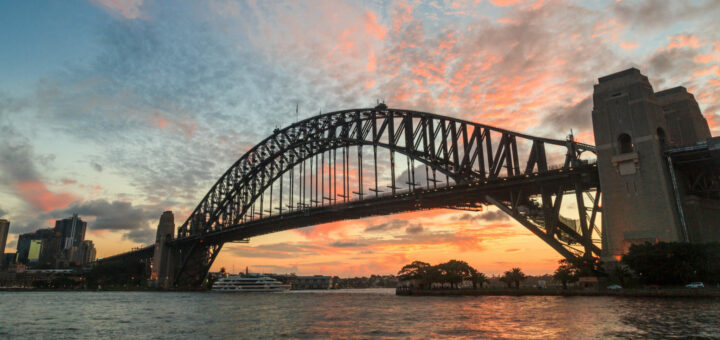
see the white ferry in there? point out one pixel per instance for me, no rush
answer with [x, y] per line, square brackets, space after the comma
[249, 283]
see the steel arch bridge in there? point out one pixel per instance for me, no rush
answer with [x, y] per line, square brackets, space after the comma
[378, 161]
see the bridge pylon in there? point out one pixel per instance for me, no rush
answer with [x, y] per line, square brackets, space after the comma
[633, 127]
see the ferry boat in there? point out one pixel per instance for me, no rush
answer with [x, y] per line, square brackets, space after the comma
[249, 283]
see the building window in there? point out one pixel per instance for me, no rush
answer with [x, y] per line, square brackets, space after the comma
[625, 142]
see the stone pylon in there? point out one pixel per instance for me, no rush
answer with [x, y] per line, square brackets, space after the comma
[165, 260]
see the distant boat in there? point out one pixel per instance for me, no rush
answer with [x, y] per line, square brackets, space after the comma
[249, 283]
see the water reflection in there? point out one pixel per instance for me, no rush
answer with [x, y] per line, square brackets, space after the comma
[348, 314]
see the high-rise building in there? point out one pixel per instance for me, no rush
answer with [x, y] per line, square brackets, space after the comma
[50, 245]
[8, 260]
[4, 227]
[72, 231]
[87, 251]
[81, 255]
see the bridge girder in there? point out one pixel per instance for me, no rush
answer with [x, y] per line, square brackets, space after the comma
[462, 151]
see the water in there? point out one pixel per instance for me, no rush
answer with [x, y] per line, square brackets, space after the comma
[362, 313]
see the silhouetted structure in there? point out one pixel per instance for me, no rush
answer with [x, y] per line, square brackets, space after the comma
[377, 161]
[312, 282]
[58, 247]
[164, 263]
[4, 227]
[635, 131]
[40, 247]
[71, 230]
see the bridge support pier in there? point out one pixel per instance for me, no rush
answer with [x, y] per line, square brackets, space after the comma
[194, 262]
[164, 261]
[633, 126]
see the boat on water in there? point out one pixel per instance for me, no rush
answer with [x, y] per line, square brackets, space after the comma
[249, 283]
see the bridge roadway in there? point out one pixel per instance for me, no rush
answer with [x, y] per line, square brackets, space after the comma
[459, 196]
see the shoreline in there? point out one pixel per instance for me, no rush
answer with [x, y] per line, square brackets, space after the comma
[659, 293]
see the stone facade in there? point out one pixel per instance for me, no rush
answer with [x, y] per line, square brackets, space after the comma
[633, 126]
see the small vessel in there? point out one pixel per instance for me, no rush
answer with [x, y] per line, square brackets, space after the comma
[249, 283]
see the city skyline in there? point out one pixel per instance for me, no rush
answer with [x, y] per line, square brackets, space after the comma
[117, 127]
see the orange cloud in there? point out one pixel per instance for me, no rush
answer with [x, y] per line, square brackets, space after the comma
[504, 3]
[611, 28]
[703, 58]
[683, 40]
[705, 72]
[373, 28]
[37, 194]
[713, 121]
[370, 67]
[629, 46]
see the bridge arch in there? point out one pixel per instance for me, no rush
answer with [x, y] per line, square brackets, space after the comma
[451, 146]
[512, 168]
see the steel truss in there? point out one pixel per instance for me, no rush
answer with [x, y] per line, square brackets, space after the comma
[453, 152]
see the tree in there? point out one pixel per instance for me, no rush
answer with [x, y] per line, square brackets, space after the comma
[620, 274]
[478, 279]
[417, 270]
[515, 276]
[455, 272]
[674, 262]
[507, 279]
[566, 273]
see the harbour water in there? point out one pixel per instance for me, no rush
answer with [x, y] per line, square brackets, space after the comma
[363, 313]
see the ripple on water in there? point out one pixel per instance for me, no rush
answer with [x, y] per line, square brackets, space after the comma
[351, 314]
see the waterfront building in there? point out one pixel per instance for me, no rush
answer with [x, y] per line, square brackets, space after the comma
[84, 254]
[89, 252]
[71, 230]
[7, 260]
[4, 227]
[312, 282]
[47, 245]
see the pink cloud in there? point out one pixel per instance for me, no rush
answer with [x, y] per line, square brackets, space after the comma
[186, 127]
[128, 9]
[37, 194]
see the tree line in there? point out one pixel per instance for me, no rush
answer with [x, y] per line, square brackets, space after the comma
[661, 263]
[453, 273]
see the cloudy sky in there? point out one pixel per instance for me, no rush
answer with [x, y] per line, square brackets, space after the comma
[120, 109]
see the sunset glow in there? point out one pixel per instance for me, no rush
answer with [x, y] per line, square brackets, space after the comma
[121, 109]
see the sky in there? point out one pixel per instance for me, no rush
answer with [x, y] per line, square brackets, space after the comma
[121, 109]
